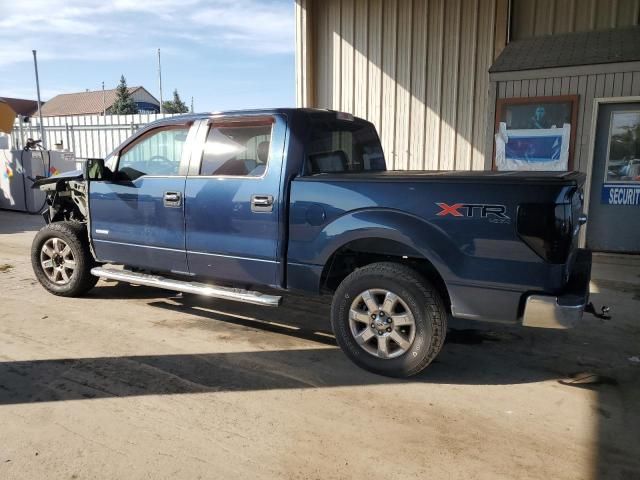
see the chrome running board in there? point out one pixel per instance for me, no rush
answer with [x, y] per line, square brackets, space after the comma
[225, 293]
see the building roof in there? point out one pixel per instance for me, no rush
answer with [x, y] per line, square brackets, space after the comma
[83, 103]
[22, 106]
[570, 49]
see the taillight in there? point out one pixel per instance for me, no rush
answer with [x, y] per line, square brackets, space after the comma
[546, 228]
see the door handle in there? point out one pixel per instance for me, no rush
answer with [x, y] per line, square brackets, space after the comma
[261, 203]
[172, 199]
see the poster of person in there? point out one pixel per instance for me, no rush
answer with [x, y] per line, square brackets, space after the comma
[534, 133]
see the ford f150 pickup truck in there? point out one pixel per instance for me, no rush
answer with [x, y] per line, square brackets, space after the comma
[242, 205]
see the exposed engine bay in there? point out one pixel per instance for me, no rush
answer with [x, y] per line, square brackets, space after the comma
[66, 197]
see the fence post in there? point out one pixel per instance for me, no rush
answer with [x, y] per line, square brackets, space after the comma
[73, 140]
[66, 131]
[133, 128]
[21, 141]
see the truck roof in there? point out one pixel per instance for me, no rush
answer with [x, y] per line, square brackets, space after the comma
[257, 111]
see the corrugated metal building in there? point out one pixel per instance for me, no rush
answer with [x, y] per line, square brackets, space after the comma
[420, 71]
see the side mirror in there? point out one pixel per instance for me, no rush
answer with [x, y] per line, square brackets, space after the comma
[94, 169]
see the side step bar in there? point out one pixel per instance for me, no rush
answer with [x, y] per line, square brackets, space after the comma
[225, 293]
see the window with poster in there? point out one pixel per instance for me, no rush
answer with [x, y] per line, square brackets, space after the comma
[535, 133]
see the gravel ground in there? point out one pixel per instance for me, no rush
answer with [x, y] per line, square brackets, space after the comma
[132, 382]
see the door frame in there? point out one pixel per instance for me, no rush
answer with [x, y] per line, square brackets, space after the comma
[595, 111]
[277, 120]
[193, 127]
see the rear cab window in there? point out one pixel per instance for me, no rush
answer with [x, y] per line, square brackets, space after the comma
[339, 145]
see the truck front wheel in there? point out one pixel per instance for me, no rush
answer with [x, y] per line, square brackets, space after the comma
[388, 319]
[61, 259]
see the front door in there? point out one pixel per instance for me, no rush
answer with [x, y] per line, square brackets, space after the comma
[137, 218]
[233, 201]
[614, 205]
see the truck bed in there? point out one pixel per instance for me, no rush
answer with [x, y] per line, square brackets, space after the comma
[557, 178]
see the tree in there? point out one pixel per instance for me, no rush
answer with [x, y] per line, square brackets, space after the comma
[176, 105]
[124, 103]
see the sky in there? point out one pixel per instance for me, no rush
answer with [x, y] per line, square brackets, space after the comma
[227, 54]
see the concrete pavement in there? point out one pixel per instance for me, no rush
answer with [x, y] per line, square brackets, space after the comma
[132, 382]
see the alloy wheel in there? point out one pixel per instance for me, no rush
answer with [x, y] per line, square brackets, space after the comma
[382, 323]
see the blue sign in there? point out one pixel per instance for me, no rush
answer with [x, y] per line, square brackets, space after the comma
[620, 194]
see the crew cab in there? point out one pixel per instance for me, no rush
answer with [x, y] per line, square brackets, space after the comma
[242, 205]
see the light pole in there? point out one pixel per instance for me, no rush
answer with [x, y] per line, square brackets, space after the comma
[42, 137]
[104, 103]
[160, 82]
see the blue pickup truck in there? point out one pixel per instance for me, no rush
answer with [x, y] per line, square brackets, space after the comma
[244, 205]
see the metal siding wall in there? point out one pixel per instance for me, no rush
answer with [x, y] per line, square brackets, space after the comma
[544, 17]
[361, 51]
[433, 95]
[417, 69]
[334, 51]
[466, 82]
[587, 87]
[347, 58]
[450, 70]
[402, 114]
[301, 81]
[389, 49]
[418, 85]
[484, 58]
[374, 64]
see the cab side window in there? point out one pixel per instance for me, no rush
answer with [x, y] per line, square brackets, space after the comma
[157, 153]
[237, 149]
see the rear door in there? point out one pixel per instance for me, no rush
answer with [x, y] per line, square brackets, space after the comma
[233, 201]
[614, 223]
[137, 218]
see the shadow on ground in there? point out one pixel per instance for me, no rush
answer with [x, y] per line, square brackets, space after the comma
[497, 355]
[491, 355]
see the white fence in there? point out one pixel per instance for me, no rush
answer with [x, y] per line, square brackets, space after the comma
[88, 136]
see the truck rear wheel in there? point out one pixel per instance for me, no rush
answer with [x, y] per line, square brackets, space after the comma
[388, 319]
[61, 259]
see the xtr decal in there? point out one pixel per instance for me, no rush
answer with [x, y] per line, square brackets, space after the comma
[493, 213]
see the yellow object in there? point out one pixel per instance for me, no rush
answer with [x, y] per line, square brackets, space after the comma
[7, 116]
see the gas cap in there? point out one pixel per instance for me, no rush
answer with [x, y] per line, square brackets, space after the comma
[315, 215]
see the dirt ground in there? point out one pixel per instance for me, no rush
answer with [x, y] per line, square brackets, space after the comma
[132, 382]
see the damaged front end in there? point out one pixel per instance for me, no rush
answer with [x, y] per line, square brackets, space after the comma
[66, 197]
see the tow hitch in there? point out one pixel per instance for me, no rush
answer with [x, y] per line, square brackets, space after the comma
[604, 311]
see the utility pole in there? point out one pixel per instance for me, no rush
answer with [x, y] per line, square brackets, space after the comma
[42, 137]
[160, 82]
[104, 103]
[192, 104]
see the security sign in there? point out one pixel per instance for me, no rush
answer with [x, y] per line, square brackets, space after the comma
[620, 194]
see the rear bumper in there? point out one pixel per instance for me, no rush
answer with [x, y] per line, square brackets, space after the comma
[564, 310]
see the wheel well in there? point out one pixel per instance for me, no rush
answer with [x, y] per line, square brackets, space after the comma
[360, 253]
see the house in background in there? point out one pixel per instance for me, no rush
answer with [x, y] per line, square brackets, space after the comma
[22, 106]
[97, 102]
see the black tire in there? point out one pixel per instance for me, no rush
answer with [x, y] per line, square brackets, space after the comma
[424, 303]
[74, 235]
